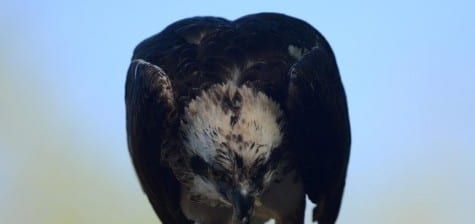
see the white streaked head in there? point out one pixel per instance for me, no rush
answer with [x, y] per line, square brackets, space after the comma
[230, 135]
[233, 118]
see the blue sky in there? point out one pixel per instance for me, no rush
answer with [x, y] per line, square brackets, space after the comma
[407, 67]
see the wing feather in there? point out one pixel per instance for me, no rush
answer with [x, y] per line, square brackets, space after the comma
[319, 121]
[149, 115]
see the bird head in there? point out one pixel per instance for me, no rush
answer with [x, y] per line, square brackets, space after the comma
[233, 141]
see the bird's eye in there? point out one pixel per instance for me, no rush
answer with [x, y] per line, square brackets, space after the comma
[258, 177]
[198, 165]
[260, 172]
[220, 175]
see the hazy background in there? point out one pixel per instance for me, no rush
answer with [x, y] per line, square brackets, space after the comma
[408, 69]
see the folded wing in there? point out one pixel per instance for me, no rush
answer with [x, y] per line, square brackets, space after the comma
[150, 117]
[320, 129]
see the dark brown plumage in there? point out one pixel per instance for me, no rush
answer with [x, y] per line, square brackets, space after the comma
[280, 56]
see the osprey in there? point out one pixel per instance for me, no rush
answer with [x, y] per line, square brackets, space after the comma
[237, 121]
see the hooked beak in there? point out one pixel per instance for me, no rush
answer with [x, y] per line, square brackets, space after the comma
[243, 206]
